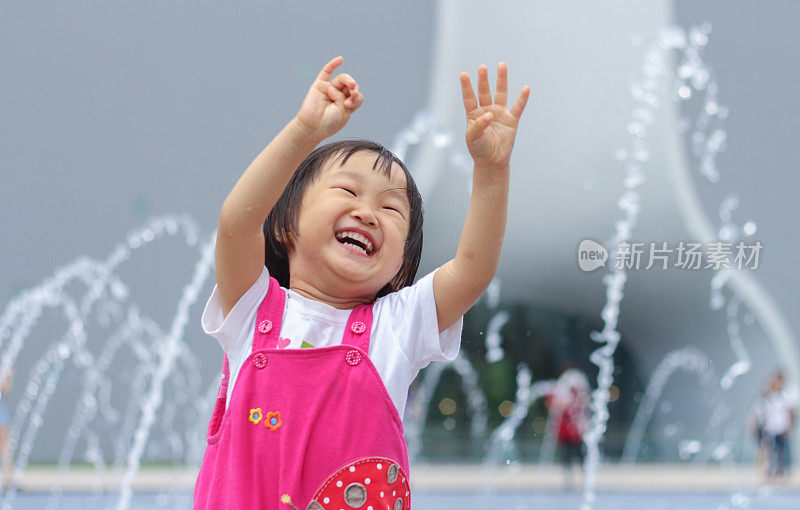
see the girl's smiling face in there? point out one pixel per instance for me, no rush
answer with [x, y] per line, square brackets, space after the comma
[352, 229]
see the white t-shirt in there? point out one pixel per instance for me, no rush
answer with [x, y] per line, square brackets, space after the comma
[778, 406]
[404, 338]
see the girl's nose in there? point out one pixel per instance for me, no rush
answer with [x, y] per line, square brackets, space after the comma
[365, 215]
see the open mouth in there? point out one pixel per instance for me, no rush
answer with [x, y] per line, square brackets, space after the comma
[356, 242]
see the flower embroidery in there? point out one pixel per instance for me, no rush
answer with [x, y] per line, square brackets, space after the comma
[288, 500]
[273, 420]
[255, 415]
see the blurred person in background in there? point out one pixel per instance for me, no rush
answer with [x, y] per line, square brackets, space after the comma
[568, 405]
[780, 414]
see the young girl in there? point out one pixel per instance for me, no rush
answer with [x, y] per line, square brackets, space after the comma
[322, 327]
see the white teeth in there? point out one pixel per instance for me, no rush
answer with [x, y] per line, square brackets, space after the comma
[357, 237]
[359, 248]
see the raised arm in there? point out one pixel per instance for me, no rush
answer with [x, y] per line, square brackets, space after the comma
[491, 131]
[239, 256]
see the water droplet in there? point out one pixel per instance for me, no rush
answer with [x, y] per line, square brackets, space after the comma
[172, 227]
[82, 359]
[687, 448]
[727, 232]
[698, 37]
[119, 290]
[441, 140]
[700, 79]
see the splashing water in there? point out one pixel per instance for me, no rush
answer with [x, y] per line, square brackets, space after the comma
[688, 359]
[654, 73]
[421, 399]
[501, 449]
[157, 352]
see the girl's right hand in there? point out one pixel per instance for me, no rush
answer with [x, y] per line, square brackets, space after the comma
[328, 104]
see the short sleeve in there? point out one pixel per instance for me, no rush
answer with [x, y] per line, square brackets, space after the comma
[233, 329]
[412, 311]
[792, 397]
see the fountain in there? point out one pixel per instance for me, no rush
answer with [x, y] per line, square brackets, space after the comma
[165, 410]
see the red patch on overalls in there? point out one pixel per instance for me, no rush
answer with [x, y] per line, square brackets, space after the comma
[376, 481]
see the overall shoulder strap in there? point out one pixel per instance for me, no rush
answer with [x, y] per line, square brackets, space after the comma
[359, 326]
[269, 317]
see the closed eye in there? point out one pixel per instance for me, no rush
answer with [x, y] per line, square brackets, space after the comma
[395, 210]
[347, 190]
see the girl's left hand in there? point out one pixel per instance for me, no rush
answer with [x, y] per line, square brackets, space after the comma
[491, 127]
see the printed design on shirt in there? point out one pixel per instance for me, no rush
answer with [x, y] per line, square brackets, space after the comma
[273, 420]
[255, 415]
[283, 343]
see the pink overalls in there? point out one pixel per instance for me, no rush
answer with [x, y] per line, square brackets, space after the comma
[311, 429]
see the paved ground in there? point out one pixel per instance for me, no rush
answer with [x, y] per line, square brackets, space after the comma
[669, 478]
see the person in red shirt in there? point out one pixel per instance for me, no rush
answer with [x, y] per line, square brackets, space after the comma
[568, 405]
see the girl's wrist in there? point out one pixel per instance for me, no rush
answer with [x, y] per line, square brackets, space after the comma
[492, 168]
[300, 129]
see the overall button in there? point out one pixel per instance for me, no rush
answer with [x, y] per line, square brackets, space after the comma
[260, 360]
[353, 357]
[265, 325]
[358, 327]
[391, 474]
[355, 495]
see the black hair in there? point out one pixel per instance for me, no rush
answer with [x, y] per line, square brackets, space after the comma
[281, 223]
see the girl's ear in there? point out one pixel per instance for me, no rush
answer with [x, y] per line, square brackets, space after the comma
[287, 238]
